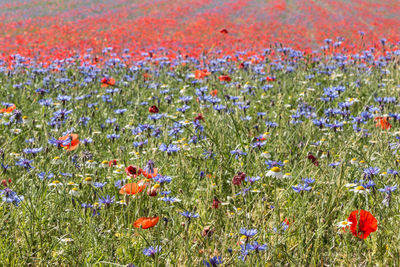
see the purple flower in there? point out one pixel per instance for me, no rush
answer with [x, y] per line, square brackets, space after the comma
[25, 163]
[388, 189]
[151, 251]
[189, 215]
[248, 232]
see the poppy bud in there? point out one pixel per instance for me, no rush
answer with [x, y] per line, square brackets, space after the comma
[4, 182]
[207, 231]
[154, 109]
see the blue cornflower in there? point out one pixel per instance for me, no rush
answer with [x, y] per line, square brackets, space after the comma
[87, 141]
[106, 200]
[243, 191]
[257, 247]
[25, 163]
[32, 150]
[258, 144]
[393, 172]
[369, 184]
[214, 261]
[162, 179]
[248, 232]
[66, 174]
[273, 163]
[183, 108]
[252, 179]
[99, 185]
[308, 180]
[388, 189]
[208, 154]
[43, 175]
[5, 167]
[261, 114]
[334, 164]
[244, 252]
[30, 140]
[140, 144]
[119, 183]
[10, 196]
[46, 102]
[300, 188]
[84, 120]
[63, 98]
[120, 111]
[370, 172]
[151, 251]
[112, 137]
[189, 215]
[170, 199]
[155, 117]
[271, 124]
[169, 149]
[61, 115]
[59, 143]
[111, 120]
[238, 153]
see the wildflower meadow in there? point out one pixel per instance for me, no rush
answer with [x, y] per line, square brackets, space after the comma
[199, 133]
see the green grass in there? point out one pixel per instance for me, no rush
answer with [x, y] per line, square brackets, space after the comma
[32, 233]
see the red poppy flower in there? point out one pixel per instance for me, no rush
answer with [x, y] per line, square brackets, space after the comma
[133, 171]
[383, 123]
[150, 174]
[200, 74]
[133, 188]
[224, 78]
[363, 223]
[146, 222]
[224, 31]
[107, 81]
[4, 182]
[215, 203]
[112, 163]
[271, 79]
[199, 117]
[8, 110]
[154, 109]
[313, 159]
[146, 76]
[286, 221]
[73, 144]
[214, 92]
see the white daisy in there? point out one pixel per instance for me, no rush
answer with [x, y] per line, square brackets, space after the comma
[275, 172]
[74, 191]
[360, 190]
[55, 183]
[287, 175]
[88, 180]
[344, 224]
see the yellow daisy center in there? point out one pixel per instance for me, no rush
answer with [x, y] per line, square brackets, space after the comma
[275, 169]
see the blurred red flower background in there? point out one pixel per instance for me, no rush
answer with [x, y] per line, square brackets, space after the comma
[57, 29]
